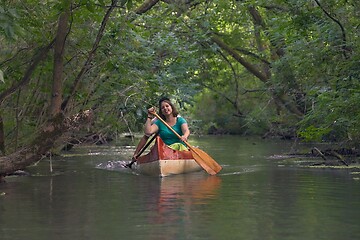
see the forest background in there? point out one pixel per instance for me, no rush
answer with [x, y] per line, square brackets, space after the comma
[77, 68]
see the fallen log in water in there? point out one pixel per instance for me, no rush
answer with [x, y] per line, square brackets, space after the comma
[43, 142]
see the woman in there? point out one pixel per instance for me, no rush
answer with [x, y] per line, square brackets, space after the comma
[168, 112]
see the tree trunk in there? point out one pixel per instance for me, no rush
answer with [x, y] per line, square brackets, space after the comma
[56, 97]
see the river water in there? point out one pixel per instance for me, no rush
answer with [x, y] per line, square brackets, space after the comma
[89, 196]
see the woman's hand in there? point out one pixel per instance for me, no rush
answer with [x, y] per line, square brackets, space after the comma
[184, 138]
[151, 112]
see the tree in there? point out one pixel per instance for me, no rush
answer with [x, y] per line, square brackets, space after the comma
[283, 67]
[56, 123]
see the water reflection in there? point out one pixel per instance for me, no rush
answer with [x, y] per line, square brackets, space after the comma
[174, 199]
[198, 187]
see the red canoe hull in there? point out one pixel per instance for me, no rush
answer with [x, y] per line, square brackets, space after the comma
[163, 161]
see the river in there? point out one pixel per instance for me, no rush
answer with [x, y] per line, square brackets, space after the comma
[89, 196]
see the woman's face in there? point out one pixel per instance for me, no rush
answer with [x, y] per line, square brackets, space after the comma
[166, 108]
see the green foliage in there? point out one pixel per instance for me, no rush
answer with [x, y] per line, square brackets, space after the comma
[337, 111]
[215, 115]
[9, 22]
[169, 51]
[313, 133]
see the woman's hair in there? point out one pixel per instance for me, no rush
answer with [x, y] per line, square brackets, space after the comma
[167, 100]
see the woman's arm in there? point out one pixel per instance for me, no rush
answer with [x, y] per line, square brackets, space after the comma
[150, 127]
[185, 131]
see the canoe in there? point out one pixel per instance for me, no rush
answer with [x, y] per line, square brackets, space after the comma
[163, 161]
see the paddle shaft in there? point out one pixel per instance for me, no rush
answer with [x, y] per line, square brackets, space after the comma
[146, 145]
[141, 151]
[167, 125]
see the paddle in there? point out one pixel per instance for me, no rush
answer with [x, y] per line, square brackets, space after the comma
[141, 151]
[201, 157]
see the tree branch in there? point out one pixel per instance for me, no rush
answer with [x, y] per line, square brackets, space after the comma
[91, 55]
[251, 68]
[343, 33]
[146, 6]
[26, 78]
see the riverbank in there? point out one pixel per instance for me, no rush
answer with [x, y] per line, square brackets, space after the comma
[316, 158]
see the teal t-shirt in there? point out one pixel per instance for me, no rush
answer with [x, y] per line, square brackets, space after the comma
[167, 135]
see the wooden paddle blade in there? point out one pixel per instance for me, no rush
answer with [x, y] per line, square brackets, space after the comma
[205, 161]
